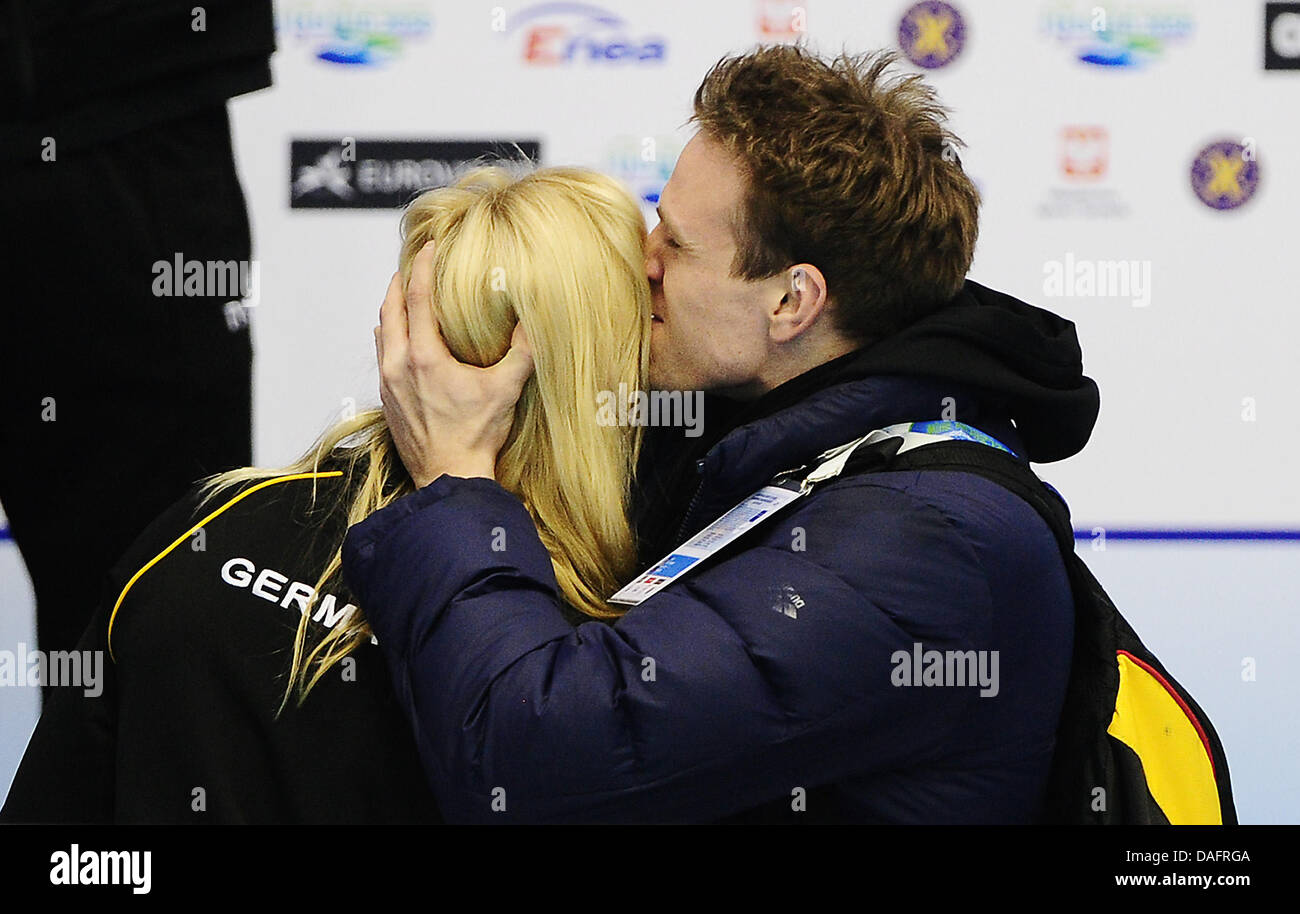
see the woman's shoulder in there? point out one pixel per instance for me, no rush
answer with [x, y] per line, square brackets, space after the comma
[266, 534]
[252, 506]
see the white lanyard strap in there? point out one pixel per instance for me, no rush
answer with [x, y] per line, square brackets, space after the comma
[763, 504]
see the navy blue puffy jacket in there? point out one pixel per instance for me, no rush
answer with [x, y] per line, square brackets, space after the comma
[766, 679]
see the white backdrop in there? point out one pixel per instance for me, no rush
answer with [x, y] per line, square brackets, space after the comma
[1199, 421]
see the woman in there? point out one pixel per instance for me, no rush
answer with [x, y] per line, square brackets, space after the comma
[241, 683]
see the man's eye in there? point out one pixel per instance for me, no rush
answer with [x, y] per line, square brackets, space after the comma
[671, 242]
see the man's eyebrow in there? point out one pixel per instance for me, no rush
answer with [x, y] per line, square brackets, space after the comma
[672, 228]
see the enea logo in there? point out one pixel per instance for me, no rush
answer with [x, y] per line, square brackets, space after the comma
[556, 34]
[353, 34]
[932, 34]
[383, 174]
[1225, 174]
[1119, 35]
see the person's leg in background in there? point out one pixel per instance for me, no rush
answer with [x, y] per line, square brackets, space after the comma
[120, 399]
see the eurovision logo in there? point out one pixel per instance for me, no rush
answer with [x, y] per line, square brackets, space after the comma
[384, 174]
[1225, 174]
[1119, 35]
[932, 34]
[559, 34]
[352, 34]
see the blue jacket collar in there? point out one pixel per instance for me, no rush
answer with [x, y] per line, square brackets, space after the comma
[751, 454]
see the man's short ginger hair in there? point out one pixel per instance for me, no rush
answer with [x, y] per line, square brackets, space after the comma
[849, 171]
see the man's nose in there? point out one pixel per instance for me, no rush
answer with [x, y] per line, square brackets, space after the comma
[654, 266]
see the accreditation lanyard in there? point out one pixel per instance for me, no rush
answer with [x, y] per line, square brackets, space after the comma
[785, 488]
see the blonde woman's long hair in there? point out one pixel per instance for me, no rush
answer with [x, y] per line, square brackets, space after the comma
[561, 251]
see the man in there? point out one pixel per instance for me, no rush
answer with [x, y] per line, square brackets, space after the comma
[808, 267]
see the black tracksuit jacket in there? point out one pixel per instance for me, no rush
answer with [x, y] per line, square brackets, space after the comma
[184, 727]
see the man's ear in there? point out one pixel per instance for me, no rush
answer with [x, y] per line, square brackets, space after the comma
[801, 306]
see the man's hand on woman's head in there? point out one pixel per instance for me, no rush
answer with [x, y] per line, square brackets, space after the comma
[446, 417]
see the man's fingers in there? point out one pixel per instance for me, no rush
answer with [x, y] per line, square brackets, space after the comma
[422, 332]
[385, 394]
[390, 335]
[392, 313]
[517, 364]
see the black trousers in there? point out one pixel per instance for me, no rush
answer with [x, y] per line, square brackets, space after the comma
[115, 399]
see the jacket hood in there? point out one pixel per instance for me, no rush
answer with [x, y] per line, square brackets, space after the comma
[1021, 364]
[1023, 359]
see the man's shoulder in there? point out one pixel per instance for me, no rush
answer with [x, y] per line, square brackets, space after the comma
[967, 501]
[923, 522]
